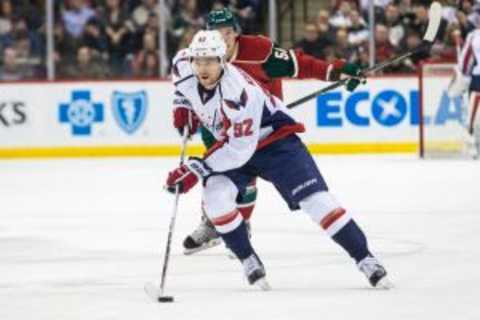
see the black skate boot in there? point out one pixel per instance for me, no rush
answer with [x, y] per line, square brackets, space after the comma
[375, 273]
[255, 272]
[203, 237]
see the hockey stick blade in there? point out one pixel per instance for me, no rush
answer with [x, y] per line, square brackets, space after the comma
[155, 293]
[434, 20]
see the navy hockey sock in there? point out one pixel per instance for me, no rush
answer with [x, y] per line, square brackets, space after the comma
[353, 240]
[238, 241]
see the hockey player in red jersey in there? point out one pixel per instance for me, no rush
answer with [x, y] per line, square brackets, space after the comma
[267, 63]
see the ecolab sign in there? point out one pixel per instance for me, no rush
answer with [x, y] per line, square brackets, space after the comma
[387, 108]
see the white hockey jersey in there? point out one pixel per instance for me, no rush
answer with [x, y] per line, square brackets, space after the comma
[238, 112]
[468, 63]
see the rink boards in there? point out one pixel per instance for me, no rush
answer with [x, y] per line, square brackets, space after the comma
[133, 118]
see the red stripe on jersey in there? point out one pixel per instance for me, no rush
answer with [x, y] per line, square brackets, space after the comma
[281, 133]
[223, 220]
[332, 217]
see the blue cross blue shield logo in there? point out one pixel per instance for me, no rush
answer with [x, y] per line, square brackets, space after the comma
[81, 112]
[129, 109]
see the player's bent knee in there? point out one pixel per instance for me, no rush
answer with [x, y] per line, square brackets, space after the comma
[326, 211]
[227, 222]
[219, 196]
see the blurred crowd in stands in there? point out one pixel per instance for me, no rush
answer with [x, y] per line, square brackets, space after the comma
[100, 39]
[343, 31]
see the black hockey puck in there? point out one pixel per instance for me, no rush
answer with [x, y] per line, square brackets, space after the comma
[165, 299]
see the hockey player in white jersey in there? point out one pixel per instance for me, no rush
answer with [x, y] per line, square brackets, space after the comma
[257, 138]
[467, 78]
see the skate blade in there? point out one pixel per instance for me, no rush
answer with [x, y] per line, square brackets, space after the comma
[263, 284]
[208, 245]
[384, 284]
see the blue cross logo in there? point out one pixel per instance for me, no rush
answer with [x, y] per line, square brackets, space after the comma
[81, 113]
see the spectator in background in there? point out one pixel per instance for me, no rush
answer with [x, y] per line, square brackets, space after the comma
[403, 5]
[148, 66]
[343, 50]
[362, 57]
[187, 38]
[117, 35]
[467, 17]
[65, 45]
[11, 69]
[358, 30]
[446, 51]
[149, 45]
[152, 25]
[33, 11]
[341, 18]
[327, 33]
[246, 12]
[142, 13]
[6, 16]
[421, 20]
[412, 40]
[330, 56]
[25, 55]
[384, 48]
[393, 21]
[28, 48]
[310, 44]
[217, 5]
[95, 38]
[20, 31]
[86, 67]
[76, 17]
[187, 17]
[364, 4]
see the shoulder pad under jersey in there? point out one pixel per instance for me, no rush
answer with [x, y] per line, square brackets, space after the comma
[181, 67]
[253, 49]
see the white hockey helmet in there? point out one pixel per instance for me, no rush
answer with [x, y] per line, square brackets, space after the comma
[208, 43]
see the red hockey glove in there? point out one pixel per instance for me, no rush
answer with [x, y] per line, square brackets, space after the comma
[183, 117]
[187, 175]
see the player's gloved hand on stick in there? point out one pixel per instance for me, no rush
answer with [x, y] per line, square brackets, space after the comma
[341, 67]
[187, 175]
[184, 117]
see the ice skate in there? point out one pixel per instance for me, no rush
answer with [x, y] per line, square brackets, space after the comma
[471, 146]
[203, 237]
[375, 273]
[255, 272]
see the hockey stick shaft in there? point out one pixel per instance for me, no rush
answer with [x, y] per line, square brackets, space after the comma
[166, 257]
[434, 17]
[342, 82]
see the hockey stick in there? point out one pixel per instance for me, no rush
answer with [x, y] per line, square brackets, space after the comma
[157, 293]
[434, 19]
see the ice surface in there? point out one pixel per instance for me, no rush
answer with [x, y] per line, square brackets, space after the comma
[79, 239]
